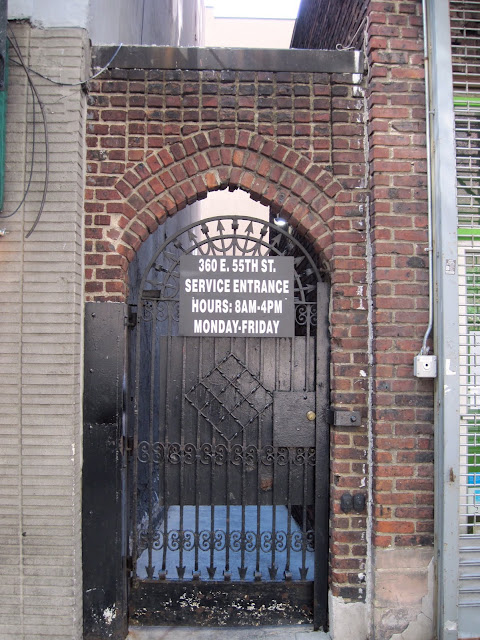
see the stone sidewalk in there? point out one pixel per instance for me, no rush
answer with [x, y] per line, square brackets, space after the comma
[304, 632]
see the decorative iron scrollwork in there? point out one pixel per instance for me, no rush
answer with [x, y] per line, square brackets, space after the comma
[220, 454]
[236, 540]
[230, 235]
[306, 314]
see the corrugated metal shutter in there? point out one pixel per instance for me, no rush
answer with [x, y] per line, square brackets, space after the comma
[465, 32]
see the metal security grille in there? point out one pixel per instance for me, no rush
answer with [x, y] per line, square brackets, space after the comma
[469, 265]
[229, 471]
[467, 126]
[465, 33]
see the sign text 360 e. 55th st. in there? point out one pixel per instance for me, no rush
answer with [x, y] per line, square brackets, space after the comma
[230, 296]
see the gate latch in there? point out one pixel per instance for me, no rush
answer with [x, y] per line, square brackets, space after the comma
[345, 418]
[126, 445]
[131, 319]
[128, 565]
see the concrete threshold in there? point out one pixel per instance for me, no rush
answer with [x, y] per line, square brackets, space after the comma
[303, 632]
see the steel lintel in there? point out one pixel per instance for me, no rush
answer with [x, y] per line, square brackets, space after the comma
[220, 59]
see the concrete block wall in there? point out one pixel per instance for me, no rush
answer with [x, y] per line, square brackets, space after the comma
[41, 311]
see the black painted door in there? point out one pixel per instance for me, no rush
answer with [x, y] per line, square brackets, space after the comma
[229, 471]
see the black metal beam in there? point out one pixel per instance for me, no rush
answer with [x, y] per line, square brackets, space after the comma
[194, 58]
[221, 603]
[103, 532]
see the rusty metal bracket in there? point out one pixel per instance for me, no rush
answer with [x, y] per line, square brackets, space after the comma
[345, 418]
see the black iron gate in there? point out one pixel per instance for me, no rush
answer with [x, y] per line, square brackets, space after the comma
[229, 472]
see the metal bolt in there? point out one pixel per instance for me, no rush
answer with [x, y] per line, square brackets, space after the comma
[353, 418]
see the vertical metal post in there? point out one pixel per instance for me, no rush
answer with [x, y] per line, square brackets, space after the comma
[447, 393]
[322, 462]
[103, 530]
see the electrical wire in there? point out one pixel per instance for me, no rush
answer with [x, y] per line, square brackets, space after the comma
[16, 48]
[3, 216]
[35, 96]
[341, 47]
[74, 84]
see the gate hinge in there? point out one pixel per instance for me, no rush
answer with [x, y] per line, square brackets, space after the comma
[128, 565]
[132, 316]
[126, 445]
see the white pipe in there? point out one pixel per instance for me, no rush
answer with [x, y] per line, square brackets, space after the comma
[424, 350]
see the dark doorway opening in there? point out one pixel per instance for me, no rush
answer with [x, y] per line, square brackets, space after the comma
[229, 466]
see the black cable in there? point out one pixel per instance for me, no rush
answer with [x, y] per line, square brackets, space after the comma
[3, 216]
[73, 84]
[16, 48]
[35, 96]
[341, 47]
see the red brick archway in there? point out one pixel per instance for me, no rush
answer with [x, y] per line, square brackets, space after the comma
[350, 173]
[186, 171]
[158, 141]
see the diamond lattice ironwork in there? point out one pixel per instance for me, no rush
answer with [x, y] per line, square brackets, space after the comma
[230, 397]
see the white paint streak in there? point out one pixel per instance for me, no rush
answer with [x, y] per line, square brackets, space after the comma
[448, 371]
[360, 293]
[109, 615]
[363, 373]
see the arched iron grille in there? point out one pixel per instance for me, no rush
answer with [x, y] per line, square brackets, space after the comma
[234, 236]
[225, 475]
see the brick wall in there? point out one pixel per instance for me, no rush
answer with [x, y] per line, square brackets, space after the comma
[156, 141]
[402, 404]
[160, 140]
[41, 303]
[326, 24]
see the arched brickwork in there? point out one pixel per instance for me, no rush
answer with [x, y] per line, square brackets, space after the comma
[295, 143]
[186, 171]
[350, 173]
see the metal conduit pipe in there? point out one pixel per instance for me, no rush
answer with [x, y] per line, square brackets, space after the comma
[425, 349]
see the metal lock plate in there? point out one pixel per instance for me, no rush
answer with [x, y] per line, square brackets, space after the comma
[345, 418]
[293, 425]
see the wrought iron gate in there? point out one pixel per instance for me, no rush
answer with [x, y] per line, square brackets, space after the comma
[229, 472]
